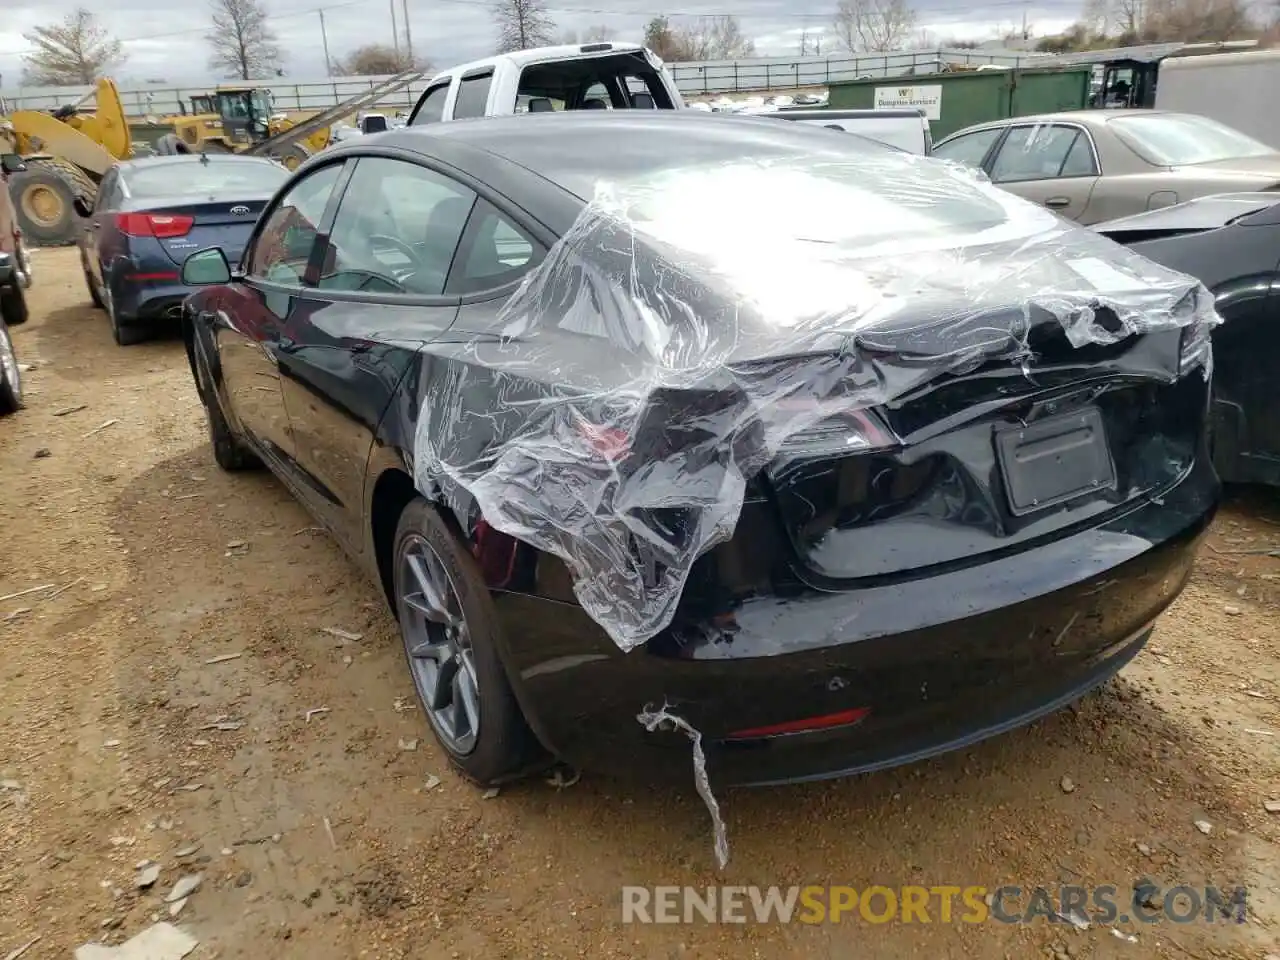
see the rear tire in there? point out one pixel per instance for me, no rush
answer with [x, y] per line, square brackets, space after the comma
[13, 306]
[501, 746]
[10, 375]
[124, 334]
[89, 282]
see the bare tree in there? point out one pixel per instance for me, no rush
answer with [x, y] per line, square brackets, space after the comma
[243, 44]
[714, 38]
[72, 52]
[874, 26]
[1196, 21]
[522, 24]
[379, 59]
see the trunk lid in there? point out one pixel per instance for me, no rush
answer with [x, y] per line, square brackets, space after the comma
[215, 221]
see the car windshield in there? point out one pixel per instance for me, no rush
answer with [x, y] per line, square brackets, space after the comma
[1174, 140]
[250, 177]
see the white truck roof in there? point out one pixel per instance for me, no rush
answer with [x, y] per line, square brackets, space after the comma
[567, 51]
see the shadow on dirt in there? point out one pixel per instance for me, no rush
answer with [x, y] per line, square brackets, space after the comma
[76, 343]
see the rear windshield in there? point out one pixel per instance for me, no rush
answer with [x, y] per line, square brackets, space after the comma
[618, 82]
[250, 177]
[1177, 139]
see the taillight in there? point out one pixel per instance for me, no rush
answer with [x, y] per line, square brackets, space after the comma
[809, 430]
[612, 443]
[159, 225]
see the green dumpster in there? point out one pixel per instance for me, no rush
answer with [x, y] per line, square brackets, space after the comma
[953, 101]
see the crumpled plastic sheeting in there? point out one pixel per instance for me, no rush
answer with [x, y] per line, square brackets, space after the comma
[694, 325]
[651, 720]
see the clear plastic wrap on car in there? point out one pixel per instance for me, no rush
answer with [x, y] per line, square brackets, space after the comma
[692, 326]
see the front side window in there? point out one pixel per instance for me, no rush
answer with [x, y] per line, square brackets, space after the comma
[284, 245]
[971, 149]
[396, 230]
[431, 106]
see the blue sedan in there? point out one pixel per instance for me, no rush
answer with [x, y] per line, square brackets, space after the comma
[150, 215]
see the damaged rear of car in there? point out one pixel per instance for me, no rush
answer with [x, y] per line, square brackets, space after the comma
[849, 457]
[677, 426]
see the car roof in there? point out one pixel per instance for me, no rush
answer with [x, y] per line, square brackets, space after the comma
[577, 148]
[1096, 118]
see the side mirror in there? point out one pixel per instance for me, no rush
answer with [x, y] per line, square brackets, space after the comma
[206, 268]
[12, 163]
[82, 206]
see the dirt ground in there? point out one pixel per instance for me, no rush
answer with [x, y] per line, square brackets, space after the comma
[343, 834]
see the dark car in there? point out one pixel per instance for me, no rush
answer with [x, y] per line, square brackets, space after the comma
[150, 215]
[600, 469]
[1231, 243]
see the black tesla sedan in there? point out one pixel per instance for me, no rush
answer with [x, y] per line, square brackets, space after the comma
[838, 455]
[1231, 243]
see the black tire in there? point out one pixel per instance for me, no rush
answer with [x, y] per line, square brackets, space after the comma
[125, 333]
[89, 282]
[59, 228]
[293, 156]
[13, 306]
[504, 748]
[229, 451]
[10, 375]
[171, 145]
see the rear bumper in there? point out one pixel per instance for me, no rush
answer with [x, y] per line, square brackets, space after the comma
[147, 300]
[941, 662]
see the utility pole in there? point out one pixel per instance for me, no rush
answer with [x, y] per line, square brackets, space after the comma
[408, 34]
[395, 31]
[324, 38]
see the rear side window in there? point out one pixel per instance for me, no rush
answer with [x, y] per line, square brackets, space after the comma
[473, 96]
[431, 106]
[284, 245]
[494, 252]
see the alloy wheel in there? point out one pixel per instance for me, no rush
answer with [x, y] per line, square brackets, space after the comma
[437, 642]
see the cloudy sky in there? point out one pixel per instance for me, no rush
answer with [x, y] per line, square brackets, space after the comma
[164, 38]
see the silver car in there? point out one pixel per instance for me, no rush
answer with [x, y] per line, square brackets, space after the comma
[1095, 165]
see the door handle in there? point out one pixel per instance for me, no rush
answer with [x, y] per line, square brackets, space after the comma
[1057, 202]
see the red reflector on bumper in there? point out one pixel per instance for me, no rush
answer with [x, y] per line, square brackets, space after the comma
[828, 721]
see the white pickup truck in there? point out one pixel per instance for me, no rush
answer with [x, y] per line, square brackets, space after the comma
[591, 76]
[612, 76]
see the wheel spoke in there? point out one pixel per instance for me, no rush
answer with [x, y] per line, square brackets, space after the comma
[442, 695]
[430, 650]
[431, 598]
[467, 697]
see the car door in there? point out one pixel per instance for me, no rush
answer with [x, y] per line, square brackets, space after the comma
[1053, 164]
[380, 294]
[102, 242]
[259, 303]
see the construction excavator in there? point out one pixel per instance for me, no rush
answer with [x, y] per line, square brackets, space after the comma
[66, 152]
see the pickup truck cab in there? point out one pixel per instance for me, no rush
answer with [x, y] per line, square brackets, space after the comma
[591, 76]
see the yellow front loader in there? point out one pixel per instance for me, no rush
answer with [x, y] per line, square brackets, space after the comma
[66, 154]
[232, 119]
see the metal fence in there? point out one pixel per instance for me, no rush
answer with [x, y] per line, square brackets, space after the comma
[708, 77]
